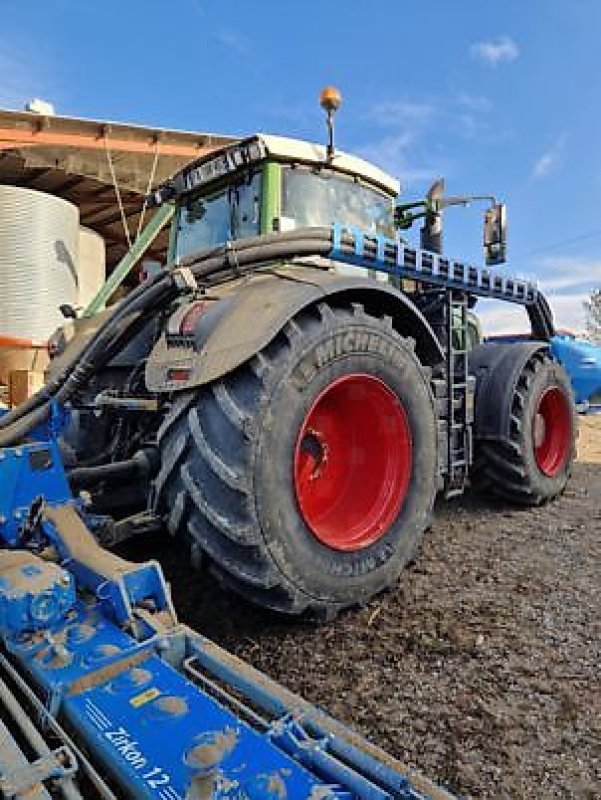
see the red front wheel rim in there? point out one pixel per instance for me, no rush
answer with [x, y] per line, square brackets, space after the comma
[352, 462]
[552, 432]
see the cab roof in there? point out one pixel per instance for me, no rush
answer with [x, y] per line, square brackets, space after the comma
[255, 149]
[284, 148]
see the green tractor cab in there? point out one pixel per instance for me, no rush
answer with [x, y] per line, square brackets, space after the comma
[267, 184]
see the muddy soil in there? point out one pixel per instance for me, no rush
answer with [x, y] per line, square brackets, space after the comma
[481, 669]
[589, 439]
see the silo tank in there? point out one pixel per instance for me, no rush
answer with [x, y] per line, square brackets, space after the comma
[38, 261]
[91, 266]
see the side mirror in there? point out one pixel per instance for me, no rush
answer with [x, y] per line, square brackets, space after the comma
[431, 231]
[495, 234]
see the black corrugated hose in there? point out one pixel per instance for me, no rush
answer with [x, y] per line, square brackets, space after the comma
[206, 266]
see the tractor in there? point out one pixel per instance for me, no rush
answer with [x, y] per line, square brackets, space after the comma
[292, 391]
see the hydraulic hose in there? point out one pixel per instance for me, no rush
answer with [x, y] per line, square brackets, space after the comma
[124, 308]
[119, 328]
[99, 351]
[143, 463]
[234, 249]
[48, 390]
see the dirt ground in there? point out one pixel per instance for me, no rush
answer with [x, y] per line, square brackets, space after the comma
[482, 668]
[589, 440]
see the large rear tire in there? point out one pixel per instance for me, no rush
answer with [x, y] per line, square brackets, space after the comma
[307, 476]
[533, 465]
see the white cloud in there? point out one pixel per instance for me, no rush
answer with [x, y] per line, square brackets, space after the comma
[396, 155]
[235, 41]
[196, 7]
[498, 318]
[495, 51]
[562, 273]
[407, 122]
[568, 311]
[394, 113]
[565, 281]
[550, 160]
[474, 102]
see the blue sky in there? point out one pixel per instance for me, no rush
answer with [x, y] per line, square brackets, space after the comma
[499, 98]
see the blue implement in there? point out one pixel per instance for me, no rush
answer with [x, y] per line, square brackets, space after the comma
[161, 712]
[582, 361]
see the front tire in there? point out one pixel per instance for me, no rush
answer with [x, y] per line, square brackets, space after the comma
[307, 476]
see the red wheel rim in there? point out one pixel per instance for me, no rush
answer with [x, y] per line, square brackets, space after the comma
[552, 432]
[352, 462]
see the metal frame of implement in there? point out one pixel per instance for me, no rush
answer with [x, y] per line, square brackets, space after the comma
[160, 710]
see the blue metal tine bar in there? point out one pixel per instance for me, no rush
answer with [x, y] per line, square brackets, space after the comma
[394, 257]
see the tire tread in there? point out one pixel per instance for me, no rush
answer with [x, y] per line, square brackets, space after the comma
[500, 467]
[205, 486]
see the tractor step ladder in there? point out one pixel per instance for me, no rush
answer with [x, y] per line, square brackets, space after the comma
[459, 393]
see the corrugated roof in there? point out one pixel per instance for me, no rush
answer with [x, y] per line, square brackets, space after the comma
[69, 157]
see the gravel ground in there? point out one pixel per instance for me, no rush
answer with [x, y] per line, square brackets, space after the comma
[481, 669]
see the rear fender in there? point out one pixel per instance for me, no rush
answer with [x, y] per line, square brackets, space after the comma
[248, 313]
[497, 367]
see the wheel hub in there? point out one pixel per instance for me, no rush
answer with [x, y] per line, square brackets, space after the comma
[539, 430]
[552, 431]
[352, 462]
[316, 449]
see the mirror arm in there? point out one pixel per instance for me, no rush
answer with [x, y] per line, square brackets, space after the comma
[465, 200]
[431, 208]
[404, 220]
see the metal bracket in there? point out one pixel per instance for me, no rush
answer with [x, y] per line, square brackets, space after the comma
[152, 229]
[120, 584]
[126, 403]
[184, 279]
[59, 764]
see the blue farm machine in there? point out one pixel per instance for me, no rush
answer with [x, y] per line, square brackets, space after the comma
[581, 360]
[288, 395]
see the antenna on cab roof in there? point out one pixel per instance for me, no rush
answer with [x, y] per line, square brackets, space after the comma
[330, 100]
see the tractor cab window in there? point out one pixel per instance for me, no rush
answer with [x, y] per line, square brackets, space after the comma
[230, 213]
[320, 198]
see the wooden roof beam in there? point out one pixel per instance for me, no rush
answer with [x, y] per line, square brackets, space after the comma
[95, 217]
[14, 138]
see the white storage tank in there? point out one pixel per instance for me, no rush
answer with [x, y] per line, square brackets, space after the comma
[91, 266]
[38, 261]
